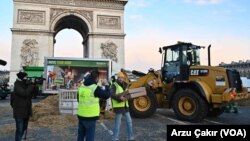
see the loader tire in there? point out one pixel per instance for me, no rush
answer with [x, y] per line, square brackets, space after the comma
[216, 112]
[144, 106]
[189, 106]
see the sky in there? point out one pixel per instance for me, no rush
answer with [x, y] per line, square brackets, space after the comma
[150, 24]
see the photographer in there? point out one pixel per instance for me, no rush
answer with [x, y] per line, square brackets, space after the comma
[21, 103]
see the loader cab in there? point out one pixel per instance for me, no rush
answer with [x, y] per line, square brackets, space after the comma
[177, 60]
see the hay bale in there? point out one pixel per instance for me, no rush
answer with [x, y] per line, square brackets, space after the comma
[46, 107]
[52, 100]
[46, 114]
[43, 109]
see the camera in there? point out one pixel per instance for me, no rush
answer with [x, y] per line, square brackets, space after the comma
[35, 80]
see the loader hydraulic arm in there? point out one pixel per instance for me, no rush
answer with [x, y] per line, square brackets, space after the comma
[150, 79]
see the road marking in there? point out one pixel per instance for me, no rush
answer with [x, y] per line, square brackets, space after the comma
[175, 120]
[213, 121]
[161, 116]
[178, 121]
[182, 122]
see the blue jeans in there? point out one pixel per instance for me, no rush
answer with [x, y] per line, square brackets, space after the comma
[86, 129]
[21, 126]
[118, 117]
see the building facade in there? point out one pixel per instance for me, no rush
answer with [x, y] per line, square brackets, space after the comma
[242, 66]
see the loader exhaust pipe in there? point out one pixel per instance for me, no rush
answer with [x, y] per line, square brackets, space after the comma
[209, 59]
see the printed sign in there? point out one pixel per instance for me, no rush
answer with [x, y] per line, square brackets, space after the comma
[68, 73]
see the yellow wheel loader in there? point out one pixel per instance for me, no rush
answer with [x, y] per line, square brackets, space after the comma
[192, 90]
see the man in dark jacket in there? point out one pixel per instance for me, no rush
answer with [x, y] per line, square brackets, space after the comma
[88, 105]
[21, 103]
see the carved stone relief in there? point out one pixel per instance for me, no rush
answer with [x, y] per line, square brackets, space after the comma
[54, 12]
[112, 22]
[108, 4]
[109, 50]
[29, 53]
[31, 17]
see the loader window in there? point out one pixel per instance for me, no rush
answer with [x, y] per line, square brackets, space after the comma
[171, 66]
[172, 56]
[192, 57]
[196, 58]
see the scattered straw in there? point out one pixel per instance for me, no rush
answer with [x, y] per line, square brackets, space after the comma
[46, 114]
[57, 121]
[7, 129]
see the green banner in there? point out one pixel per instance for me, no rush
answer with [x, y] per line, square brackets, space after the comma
[78, 63]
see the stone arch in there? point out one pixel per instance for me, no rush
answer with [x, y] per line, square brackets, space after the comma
[59, 17]
[76, 21]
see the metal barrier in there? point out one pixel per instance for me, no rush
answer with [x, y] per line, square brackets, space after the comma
[68, 101]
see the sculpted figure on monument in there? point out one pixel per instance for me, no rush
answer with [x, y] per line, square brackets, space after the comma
[109, 50]
[29, 53]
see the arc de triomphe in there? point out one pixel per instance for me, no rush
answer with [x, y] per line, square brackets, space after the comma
[36, 23]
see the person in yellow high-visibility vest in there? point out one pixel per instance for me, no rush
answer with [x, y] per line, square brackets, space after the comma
[126, 79]
[88, 106]
[120, 106]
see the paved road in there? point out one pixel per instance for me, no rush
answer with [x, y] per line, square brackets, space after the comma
[149, 129]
